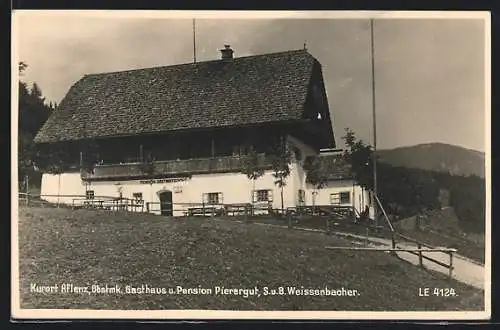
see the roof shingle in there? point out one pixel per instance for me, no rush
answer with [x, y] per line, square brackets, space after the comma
[246, 90]
[335, 167]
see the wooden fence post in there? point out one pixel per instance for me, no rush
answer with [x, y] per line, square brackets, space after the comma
[420, 258]
[290, 225]
[147, 207]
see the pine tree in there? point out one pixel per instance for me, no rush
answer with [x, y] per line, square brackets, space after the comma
[33, 112]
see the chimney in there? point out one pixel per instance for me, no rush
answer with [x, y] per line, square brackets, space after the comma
[227, 52]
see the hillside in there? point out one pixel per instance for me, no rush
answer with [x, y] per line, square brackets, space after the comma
[437, 157]
[93, 249]
[443, 228]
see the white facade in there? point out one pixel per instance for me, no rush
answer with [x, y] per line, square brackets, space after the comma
[340, 192]
[230, 187]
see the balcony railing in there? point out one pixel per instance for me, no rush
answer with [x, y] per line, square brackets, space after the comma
[185, 167]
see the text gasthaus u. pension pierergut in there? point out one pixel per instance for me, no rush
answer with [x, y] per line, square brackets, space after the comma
[145, 289]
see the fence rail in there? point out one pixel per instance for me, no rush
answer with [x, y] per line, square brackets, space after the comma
[419, 250]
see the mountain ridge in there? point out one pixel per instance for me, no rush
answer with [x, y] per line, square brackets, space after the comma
[436, 156]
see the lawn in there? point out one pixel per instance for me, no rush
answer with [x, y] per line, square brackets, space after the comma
[85, 248]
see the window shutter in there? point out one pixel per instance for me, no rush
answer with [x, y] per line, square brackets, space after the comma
[255, 196]
[205, 198]
[270, 195]
[221, 201]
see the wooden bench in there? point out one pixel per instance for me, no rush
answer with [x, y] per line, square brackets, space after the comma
[203, 211]
[233, 209]
[93, 203]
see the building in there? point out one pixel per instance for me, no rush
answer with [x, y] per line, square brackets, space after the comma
[178, 134]
[340, 187]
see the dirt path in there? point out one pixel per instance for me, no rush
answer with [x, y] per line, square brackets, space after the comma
[465, 270]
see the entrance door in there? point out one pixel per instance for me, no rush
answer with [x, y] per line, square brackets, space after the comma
[166, 203]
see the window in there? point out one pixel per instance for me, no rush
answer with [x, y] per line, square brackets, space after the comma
[263, 195]
[343, 197]
[89, 194]
[302, 197]
[334, 199]
[138, 198]
[212, 198]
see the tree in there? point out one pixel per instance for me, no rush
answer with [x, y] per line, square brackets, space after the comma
[53, 159]
[252, 169]
[33, 113]
[315, 176]
[36, 93]
[22, 67]
[280, 156]
[360, 156]
[90, 155]
[405, 191]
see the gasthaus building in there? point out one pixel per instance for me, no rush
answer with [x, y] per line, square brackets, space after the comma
[193, 123]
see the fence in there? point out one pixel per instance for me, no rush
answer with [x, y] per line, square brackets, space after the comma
[328, 218]
[419, 251]
[207, 209]
[82, 201]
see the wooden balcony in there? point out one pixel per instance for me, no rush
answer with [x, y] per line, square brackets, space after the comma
[187, 167]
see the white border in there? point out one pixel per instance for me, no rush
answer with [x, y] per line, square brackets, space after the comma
[18, 313]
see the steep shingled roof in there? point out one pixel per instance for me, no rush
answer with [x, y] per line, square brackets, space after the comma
[245, 90]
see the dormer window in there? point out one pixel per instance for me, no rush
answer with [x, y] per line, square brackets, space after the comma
[319, 116]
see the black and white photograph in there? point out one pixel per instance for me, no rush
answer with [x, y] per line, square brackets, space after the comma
[251, 165]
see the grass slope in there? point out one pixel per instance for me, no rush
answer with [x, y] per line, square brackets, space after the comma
[443, 229]
[90, 247]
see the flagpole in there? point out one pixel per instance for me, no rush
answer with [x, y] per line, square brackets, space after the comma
[194, 41]
[374, 120]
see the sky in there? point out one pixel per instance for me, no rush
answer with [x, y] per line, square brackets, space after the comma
[429, 72]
